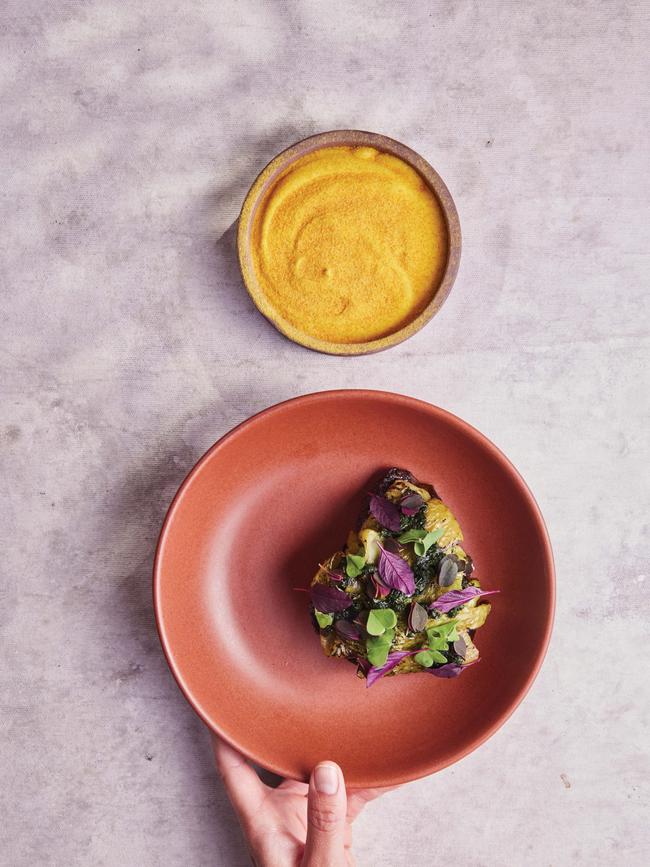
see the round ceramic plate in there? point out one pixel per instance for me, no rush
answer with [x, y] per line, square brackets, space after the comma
[251, 522]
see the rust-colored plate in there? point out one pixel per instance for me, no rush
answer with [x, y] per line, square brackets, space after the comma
[250, 523]
[349, 138]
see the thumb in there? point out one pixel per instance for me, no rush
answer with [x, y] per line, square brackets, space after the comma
[326, 812]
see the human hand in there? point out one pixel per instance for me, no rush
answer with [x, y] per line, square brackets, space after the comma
[295, 824]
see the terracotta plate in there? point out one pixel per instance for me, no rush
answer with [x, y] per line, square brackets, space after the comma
[250, 523]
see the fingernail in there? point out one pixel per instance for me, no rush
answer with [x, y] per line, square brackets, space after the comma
[326, 779]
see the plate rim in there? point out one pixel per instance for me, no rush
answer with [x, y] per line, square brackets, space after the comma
[277, 767]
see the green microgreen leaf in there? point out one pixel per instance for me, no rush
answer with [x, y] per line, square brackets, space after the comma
[422, 545]
[378, 647]
[379, 620]
[424, 658]
[323, 620]
[440, 636]
[438, 657]
[354, 563]
[411, 536]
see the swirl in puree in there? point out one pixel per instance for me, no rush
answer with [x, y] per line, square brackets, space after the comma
[349, 244]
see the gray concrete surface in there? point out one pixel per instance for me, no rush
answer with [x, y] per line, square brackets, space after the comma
[130, 133]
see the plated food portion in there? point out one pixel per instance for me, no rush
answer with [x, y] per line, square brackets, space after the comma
[240, 640]
[402, 596]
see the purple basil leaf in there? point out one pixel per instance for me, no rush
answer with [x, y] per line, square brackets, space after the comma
[411, 504]
[347, 630]
[454, 598]
[329, 599]
[450, 669]
[393, 659]
[395, 572]
[392, 545]
[386, 513]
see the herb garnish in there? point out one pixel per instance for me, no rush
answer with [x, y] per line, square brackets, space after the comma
[348, 630]
[418, 617]
[329, 599]
[413, 535]
[447, 572]
[460, 647]
[411, 504]
[425, 658]
[422, 545]
[450, 600]
[423, 540]
[378, 647]
[439, 637]
[324, 620]
[385, 512]
[380, 620]
[395, 572]
[392, 660]
[354, 563]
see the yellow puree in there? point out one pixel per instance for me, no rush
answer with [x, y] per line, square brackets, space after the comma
[349, 244]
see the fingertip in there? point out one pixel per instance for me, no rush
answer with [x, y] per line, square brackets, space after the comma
[327, 778]
[326, 812]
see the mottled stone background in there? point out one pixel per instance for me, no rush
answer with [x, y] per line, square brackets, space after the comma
[130, 133]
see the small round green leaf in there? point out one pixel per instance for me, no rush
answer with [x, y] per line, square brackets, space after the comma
[323, 620]
[378, 647]
[354, 563]
[373, 625]
[379, 620]
[424, 658]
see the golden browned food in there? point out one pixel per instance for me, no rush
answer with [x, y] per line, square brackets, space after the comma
[401, 597]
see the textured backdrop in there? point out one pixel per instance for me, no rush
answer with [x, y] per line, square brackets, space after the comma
[130, 133]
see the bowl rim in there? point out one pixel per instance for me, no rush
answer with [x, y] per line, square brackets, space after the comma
[341, 138]
[406, 401]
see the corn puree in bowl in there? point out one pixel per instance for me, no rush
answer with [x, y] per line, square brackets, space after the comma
[347, 245]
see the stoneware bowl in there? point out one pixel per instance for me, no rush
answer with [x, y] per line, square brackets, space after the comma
[341, 138]
[251, 522]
